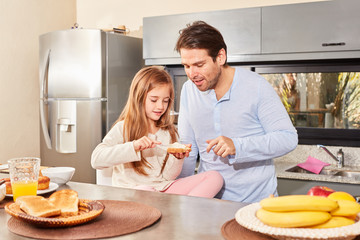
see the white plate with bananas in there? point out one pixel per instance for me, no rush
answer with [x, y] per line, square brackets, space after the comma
[246, 217]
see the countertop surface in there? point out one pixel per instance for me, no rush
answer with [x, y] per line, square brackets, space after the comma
[281, 167]
[183, 217]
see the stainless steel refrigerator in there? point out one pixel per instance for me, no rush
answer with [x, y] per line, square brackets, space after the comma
[85, 75]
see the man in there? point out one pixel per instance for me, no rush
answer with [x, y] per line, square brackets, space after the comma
[232, 117]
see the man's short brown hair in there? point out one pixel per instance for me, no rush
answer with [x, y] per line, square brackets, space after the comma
[200, 35]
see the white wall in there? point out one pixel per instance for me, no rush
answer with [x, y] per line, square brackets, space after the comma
[107, 14]
[21, 23]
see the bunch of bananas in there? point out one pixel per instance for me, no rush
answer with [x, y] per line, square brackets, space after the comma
[307, 211]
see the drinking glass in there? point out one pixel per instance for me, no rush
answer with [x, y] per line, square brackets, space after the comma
[24, 174]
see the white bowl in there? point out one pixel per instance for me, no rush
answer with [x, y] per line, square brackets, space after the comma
[59, 175]
[2, 192]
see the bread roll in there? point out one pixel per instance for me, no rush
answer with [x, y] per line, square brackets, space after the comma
[7, 185]
[8, 188]
[43, 182]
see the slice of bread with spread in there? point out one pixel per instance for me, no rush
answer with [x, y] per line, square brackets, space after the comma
[178, 148]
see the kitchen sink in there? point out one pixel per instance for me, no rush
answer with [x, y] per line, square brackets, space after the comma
[350, 174]
[329, 172]
[298, 169]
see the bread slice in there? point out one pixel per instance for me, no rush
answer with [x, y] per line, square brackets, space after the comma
[178, 148]
[67, 200]
[37, 206]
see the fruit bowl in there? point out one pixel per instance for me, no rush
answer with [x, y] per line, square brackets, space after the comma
[59, 175]
[246, 217]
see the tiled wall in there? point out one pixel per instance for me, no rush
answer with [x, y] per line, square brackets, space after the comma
[302, 152]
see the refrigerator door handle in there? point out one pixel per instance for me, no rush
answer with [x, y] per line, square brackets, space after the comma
[43, 101]
[44, 78]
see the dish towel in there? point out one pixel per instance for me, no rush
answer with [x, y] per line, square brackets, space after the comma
[313, 165]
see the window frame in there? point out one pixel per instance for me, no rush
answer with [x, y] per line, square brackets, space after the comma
[313, 136]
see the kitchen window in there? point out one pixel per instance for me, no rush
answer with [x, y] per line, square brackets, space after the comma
[322, 99]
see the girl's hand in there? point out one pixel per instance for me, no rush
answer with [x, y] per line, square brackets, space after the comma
[144, 143]
[183, 154]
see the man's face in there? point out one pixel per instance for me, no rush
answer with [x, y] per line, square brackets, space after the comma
[200, 68]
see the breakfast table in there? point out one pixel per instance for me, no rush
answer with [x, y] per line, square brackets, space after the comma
[182, 217]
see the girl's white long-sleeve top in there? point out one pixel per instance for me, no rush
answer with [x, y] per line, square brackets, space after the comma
[114, 152]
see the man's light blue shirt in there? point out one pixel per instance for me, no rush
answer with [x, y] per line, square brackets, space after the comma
[252, 115]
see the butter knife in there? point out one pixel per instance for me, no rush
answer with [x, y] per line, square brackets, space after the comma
[162, 146]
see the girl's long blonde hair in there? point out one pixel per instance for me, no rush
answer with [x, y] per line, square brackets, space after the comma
[134, 116]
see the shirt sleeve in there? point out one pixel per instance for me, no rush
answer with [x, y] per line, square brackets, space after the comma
[187, 135]
[280, 135]
[113, 151]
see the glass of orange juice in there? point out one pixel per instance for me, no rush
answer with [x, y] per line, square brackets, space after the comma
[24, 174]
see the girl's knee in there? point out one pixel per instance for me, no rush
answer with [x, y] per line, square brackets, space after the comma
[216, 176]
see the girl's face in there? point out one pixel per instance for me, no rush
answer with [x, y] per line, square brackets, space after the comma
[157, 101]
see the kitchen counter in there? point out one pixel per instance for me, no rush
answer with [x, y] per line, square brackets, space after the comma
[183, 217]
[282, 166]
[302, 152]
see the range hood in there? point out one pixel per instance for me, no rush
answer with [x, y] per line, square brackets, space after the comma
[295, 32]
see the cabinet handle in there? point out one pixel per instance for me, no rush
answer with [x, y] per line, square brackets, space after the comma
[333, 44]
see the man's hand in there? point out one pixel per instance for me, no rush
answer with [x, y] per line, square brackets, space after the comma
[223, 146]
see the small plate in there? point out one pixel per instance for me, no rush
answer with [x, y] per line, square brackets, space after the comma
[4, 166]
[246, 217]
[88, 210]
[52, 187]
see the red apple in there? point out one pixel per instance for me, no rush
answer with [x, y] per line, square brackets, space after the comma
[320, 191]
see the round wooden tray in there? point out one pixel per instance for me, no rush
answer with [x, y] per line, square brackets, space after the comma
[118, 218]
[88, 210]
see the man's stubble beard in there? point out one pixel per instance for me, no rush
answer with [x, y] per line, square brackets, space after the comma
[215, 80]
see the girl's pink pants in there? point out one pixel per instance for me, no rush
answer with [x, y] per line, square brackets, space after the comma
[205, 184]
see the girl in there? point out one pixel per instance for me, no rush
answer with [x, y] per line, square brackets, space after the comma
[132, 148]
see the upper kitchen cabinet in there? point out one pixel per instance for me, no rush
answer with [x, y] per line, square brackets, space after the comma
[331, 26]
[240, 29]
